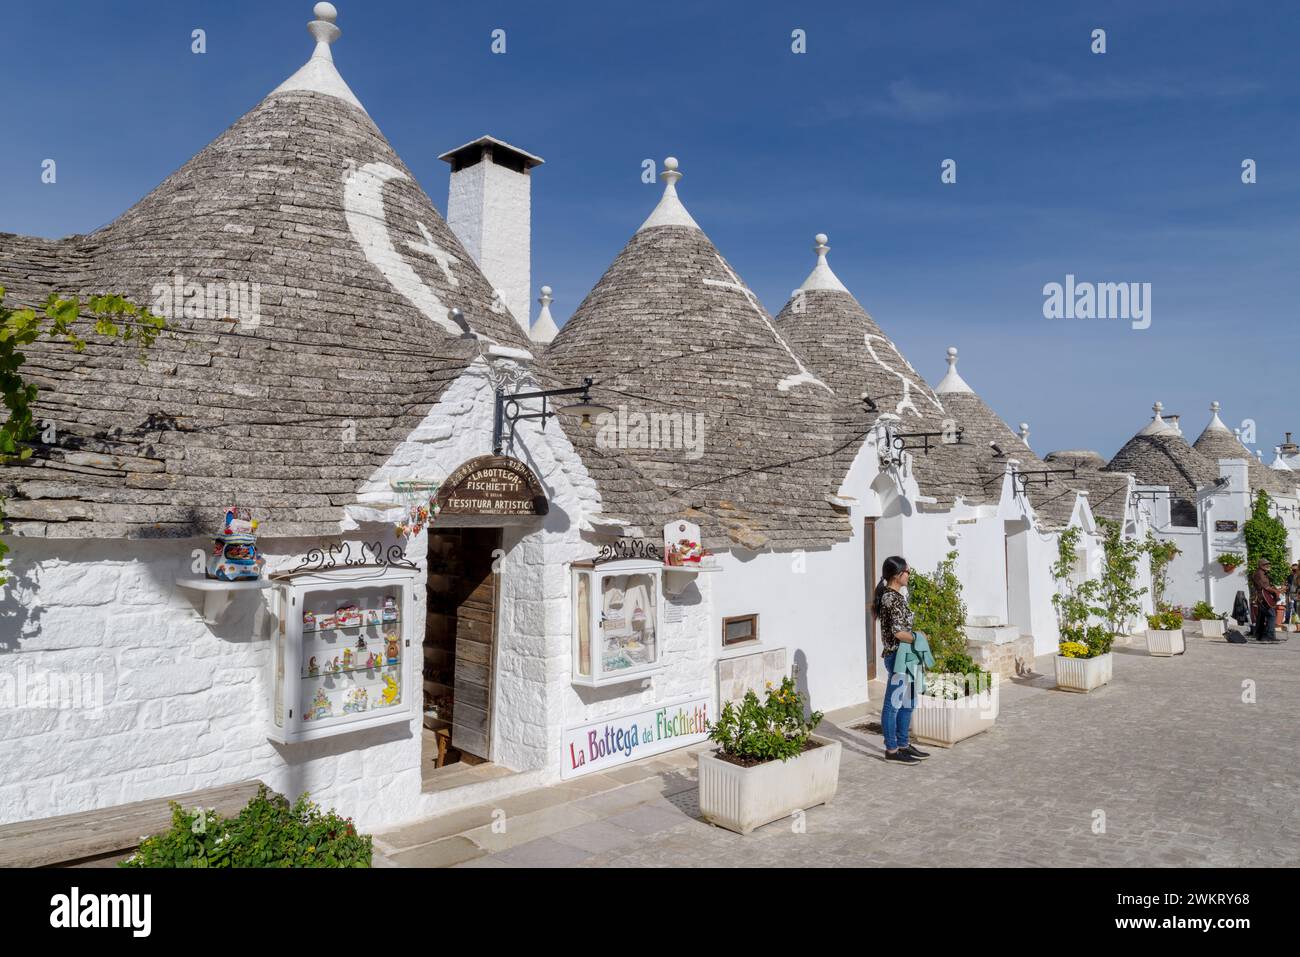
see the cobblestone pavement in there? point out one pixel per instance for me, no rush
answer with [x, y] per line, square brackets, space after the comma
[1185, 771]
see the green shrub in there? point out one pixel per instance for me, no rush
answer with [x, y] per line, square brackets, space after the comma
[268, 832]
[775, 730]
[938, 609]
[1165, 621]
[1096, 638]
[1204, 611]
[956, 676]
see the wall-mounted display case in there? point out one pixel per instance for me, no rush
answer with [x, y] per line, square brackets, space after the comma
[617, 616]
[342, 652]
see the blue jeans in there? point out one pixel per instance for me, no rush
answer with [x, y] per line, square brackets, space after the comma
[896, 710]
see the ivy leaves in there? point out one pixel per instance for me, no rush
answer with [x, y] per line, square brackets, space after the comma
[114, 318]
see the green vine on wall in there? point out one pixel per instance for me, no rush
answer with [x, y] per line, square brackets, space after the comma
[1266, 538]
[115, 318]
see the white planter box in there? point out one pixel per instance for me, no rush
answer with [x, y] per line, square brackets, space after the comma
[1083, 674]
[1212, 629]
[741, 799]
[1165, 644]
[945, 721]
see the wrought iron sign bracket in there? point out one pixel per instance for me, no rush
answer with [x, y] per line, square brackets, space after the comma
[1042, 476]
[508, 411]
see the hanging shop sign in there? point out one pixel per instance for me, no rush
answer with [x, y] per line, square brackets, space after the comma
[613, 741]
[492, 485]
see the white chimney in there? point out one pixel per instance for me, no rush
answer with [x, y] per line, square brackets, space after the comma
[489, 208]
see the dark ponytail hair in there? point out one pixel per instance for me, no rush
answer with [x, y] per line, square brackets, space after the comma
[894, 565]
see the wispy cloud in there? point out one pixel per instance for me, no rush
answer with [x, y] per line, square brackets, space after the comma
[906, 100]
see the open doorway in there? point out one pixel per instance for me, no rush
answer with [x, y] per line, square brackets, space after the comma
[460, 646]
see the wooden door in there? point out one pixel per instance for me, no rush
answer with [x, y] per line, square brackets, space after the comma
[460, 637]
[872, 576]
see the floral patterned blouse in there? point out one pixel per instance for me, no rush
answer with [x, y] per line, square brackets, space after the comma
[895, 616]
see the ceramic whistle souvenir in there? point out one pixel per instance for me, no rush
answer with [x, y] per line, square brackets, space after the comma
[391, 649]
[234, 554]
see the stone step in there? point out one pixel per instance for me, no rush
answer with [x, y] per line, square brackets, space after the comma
[992, 634]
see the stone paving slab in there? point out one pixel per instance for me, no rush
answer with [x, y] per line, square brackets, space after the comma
[1174, 757]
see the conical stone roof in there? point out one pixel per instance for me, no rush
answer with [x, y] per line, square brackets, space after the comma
[853, 355]
[1159, 455]
[347, 274]
[671, 331]
[1217, 441]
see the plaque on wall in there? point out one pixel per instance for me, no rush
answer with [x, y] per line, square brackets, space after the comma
[492, 485]
[1225, 525]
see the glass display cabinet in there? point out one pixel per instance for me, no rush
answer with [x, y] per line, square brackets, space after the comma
[617, 615]
[342, 651]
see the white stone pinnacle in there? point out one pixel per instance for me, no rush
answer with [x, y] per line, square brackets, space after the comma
[1216, 424]
[544, 328]
[952, 382]
[670, 211]
[318, 74]
[821, 277]
[1157, 425]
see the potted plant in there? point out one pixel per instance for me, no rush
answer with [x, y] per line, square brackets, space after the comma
[1230, 561]
[1212, 625]
[768, 763]
[1084, 661]
[957, 697]
[1165, 634]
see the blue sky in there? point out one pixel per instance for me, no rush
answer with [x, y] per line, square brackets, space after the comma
[1122, 167]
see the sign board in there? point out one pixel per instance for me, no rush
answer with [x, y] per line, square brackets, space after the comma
[613, 741]
[1225, 525]
[492, 485]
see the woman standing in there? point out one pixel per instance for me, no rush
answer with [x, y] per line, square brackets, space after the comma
[896, 627]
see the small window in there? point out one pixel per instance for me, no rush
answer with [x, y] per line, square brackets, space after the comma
[739, 629]
[1182, 513]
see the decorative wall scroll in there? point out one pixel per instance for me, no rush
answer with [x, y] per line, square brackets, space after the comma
[344, 555]
[492, 485]
[625, 548]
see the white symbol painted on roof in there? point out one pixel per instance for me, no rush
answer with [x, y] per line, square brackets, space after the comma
[906, 401]
[363, 204]
[803, 377]
[430, 248]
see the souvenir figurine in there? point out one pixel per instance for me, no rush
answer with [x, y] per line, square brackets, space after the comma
[308, 621]
[374, 616]
[234, 552]
[320, 705]
[361, 645]
[371, 662]
[347, 616]
[391, 693]
[391, 649]
[312, 670]
[325, 622]
[390, 608]
[334, 665]
[356, 701]
[347, 659]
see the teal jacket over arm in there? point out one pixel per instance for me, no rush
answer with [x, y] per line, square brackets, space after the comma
[913, 658]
